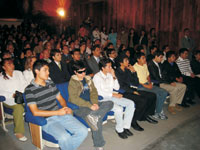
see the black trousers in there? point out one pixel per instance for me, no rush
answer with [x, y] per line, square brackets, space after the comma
[193, 85]
[145, 104]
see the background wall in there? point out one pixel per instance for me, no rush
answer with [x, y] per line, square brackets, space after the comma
[169, 17]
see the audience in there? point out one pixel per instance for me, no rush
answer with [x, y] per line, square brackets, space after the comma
[105, 81]
[65, 128]
[175, 89]
[144, 79]
[83, 93]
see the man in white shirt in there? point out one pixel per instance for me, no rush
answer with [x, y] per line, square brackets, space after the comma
[105, 81]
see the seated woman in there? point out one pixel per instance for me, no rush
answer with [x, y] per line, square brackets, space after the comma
[28, 73]
[11, 81]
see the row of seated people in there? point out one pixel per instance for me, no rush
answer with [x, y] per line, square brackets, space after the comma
[103, 81]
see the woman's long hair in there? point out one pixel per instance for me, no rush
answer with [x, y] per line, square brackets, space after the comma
[3, 72]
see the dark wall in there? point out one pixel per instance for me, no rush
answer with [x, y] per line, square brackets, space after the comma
[169, 17]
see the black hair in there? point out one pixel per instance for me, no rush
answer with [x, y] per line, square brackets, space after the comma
[164, 47]
[78, 65]
[158, 53]
[27, 49]
[75, 50]
[196, 52]
[94, 47]
[139, 48]
[109, 51]
[121, 58]
[2, 70]
[169, 54]
[152, 47]
[103, 63]
[138, 55]
[38, 65]
[182, 50]
[186, 29]
[71, 42]
[53, 52]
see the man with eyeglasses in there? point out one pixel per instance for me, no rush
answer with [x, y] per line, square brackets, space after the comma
[83, 93]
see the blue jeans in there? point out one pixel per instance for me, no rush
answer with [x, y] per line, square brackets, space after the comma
[123, 120]
[70, 139]
[161, 95]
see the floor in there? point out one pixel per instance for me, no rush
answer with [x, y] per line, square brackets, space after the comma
[179, 132]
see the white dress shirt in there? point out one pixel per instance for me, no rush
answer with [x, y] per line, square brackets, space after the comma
[8, 86]
[105, 84]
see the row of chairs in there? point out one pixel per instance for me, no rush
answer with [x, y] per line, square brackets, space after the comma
[39, 137]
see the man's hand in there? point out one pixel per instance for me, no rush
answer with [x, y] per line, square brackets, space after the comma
[94, 107]
[148, 86]
[117, 95]
[180, 79]
[192, 75]
[130, 67]
[62, 111]
[113, 73]
[136, 93]
[173, 84]
[68, 110]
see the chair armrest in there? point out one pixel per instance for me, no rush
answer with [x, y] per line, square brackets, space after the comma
[2, 98]
[35, 119]
[100, 97]
[72, 106]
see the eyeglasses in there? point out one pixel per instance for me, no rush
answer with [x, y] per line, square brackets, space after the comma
[83, 71]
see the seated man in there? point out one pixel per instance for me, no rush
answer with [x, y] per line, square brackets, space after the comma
[176, 89]
[94, 60]
[195, 63]
[192, 82]
[58, 71]
[145, 101]
[105, 81]
[111, 53]
[145, 80]
[41, 97]
[83, 93]
[152, 50]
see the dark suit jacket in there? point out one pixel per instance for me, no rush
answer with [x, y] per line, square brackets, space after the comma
[57, 75]
[170, 72]
[195, 65]
[126, 79]
[94, 66]
[154, 72]
[114, 64]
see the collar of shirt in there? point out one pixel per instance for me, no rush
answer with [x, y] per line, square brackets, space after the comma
[180, 58]
[57, 63]
[96, 58]
[103, 75]
[37, 85]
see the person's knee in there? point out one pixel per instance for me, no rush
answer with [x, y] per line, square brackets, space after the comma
[19, 109]
[64, 137]
[118, 110]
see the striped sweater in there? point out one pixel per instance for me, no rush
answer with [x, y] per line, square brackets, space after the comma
[184, 66]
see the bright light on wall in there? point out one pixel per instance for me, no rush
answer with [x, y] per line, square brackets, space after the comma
[61, 12]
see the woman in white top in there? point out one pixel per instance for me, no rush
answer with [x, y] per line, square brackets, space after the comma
[96, 34]
[104, 37]
[28, 73]
[12, 80]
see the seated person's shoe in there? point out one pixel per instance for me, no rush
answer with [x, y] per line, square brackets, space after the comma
[150, 120]
[178, 108]
[163, 116]
[137, 127]
[171, 109]
[128, 132]
[184, 105]
[21, 137]
[190, 102]
[156, 116]
[122, 135]
[92, 121]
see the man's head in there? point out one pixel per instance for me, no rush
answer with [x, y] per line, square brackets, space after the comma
[140, 48]
[171, 56]
[197, 55]
[28, 52]
[186, 31]
[6, 54]
[56, 55]
[140, 57]
[41, 70]
[76, 55]
[72, 45]
[153, 49]
[65, 50]
[96, 50]
[105, 65]
[183, 53]
[79, 69]
[158, 56]
[166, 48]
[123, 60]
[10, 48]
[111, 53]
[46, 54]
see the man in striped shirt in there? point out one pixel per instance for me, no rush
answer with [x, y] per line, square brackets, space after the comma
[192, 82]
[41, 97]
